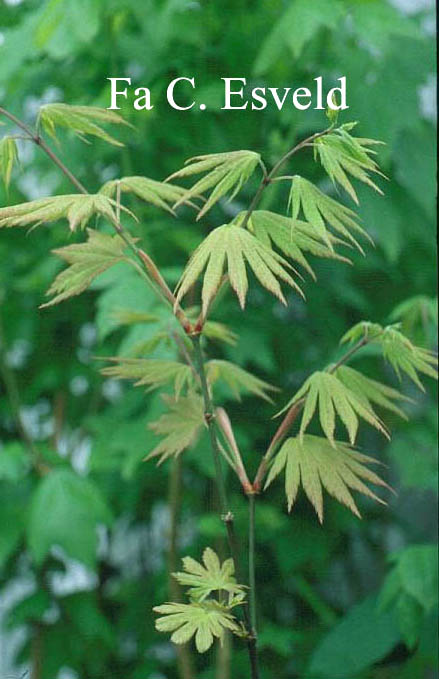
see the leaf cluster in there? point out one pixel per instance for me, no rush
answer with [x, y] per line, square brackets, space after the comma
[205, 617]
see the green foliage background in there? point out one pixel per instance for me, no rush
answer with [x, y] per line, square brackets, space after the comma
[83, 550]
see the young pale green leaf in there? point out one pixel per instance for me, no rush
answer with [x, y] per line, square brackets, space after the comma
[406, 357]
[87, 260]
[160, 194]
[237, 379]
[180, 426]
[313, 462]
[341, 155]
[83, 120]
[219, 331]
[332, 397]
[65, 511]
[402, 354]
[322, 212]
[226, 174]
[232, 247]
[362, 330]
[152, 372]
[292, 237]
[211, 576]
[8, 157]
[78, 209]
[368, 390]
[205, 620]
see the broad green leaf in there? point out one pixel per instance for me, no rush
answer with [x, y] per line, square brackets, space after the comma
[30, 609]
[418, 571]
[14, 461]
[232, 247]
[65, 512]
[411, 589]
[180, 426]
[152, 372]
[82, 120]
[226, 174]
[295, 28]
[160, 194]
[205, 620]
[322, 212]
[210, 576]
[237, 379]
[417, 315]
[13, 518]
[363, 637]
[341, 155]
[332, 397]
[78, 209]
[87, 261]
[89, 622]
[8, 157]
[312, 462]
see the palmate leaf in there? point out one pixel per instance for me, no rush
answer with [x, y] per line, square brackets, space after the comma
[83, 120]
[332, 398]
[362, 330]
[160, 194]
[402, 354]
[205, 620]
[341, 154]
[226, 172]
[370, 391]
[180, 426]
[78, 209]
[151, 372]
[406, 357]
[314, 463]
[8, 158]
[292, 238]
[232, 247]
[87, 260]
[237, 379]
[322, 211]
[211, 576]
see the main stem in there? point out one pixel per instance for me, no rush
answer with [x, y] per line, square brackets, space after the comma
[251, 561]
[227, 514]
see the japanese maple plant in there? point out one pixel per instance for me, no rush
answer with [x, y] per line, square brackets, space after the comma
[221, 598]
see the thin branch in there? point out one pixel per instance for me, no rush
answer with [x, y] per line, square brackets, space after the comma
[251, 561]
[267, 179]
[275, 442]
[361, 343]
